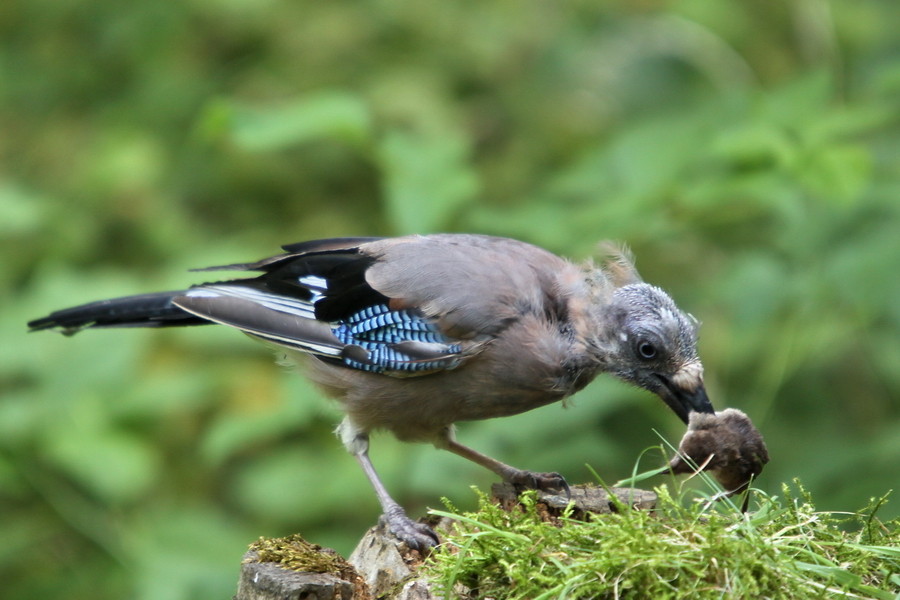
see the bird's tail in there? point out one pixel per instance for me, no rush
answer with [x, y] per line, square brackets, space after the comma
[143, 310]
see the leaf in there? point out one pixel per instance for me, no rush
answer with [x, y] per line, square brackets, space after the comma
[114, 465]
[836, 574]
[838, 173]
[427, 178]
[327, 115]
[21, 210]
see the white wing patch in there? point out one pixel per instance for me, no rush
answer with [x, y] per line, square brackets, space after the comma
[291, 306]
[315, 284]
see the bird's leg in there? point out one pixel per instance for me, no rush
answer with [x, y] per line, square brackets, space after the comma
[510, 474]
[416, 535]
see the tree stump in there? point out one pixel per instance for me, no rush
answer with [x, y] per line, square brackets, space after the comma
[268, 581]
[585, 498]
[290, 568]
[383, 567]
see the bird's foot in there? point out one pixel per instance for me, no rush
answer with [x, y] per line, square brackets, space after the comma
[417, 536]
[548, 482]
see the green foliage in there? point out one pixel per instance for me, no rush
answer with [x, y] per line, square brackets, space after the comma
[785, 549]
[745, 151]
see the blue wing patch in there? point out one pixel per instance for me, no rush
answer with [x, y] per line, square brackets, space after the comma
[395, 340]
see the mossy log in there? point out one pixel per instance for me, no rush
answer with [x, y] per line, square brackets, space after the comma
[383, 567]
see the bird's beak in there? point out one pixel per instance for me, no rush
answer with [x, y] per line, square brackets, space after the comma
[685, 393]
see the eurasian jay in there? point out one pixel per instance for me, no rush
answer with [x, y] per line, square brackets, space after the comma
[413, 334]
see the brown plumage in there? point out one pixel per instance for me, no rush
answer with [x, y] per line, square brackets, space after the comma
[725, 443]
[414, 334]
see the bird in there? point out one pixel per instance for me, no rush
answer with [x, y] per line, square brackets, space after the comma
[414, 334]
[725, 443]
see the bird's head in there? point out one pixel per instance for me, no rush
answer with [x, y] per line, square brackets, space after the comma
[649, 342]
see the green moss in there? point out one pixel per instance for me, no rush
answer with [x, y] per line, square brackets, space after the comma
[785, 549]
[294, 553]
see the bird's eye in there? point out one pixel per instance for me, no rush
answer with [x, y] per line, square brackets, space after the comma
[647, 350]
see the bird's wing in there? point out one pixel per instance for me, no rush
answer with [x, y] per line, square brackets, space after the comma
[474, 286]
[400, 306]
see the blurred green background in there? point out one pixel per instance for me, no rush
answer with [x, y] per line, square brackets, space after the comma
[748, 152]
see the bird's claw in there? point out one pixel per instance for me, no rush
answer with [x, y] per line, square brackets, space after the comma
[417, 536]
